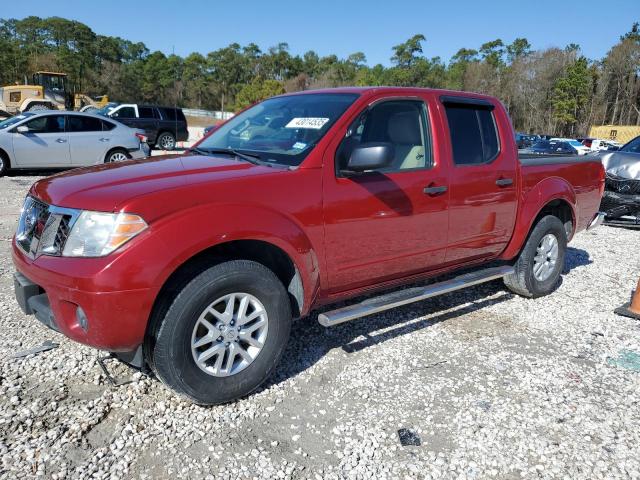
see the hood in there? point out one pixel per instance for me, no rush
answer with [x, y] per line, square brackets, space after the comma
[105, 187]
[622, 165]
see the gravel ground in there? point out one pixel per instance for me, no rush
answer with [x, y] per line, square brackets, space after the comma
[494, 386]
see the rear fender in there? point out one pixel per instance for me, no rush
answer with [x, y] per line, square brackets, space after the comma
[533, 202]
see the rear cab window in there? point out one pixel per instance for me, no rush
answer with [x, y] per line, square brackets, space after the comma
[473, 131]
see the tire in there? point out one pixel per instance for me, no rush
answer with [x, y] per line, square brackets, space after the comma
[4, 164]
[166, 141]
[173, 344]
[116, 155]
[38, 107]
[536, 277]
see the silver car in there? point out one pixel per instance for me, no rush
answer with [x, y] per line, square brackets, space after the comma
[55, 139]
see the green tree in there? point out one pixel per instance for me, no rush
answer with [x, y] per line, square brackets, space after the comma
[256, 91]
[571, 94]
[405, 54]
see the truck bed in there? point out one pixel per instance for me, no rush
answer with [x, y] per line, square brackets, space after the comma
[582, 173]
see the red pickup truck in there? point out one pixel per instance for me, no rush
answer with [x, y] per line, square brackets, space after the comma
[194, 265]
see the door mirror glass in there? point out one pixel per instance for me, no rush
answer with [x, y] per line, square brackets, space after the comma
[22, 129]
[370, 156]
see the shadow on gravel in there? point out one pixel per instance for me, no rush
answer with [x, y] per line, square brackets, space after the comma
[575, 257]
[310, 341]
[42, 172]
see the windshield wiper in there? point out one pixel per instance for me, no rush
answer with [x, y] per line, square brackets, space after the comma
[255, 159]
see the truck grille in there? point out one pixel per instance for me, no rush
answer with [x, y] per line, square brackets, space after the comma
[43, 229]
[622, 185]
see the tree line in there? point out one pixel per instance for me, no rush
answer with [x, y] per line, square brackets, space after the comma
[555, 91]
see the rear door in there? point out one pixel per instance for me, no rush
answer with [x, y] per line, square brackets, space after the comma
[88, 142]
[45, 144]
[483, 184]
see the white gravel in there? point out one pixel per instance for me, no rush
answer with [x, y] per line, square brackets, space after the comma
[496, 386]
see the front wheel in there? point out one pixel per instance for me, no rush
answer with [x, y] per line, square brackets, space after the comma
[540, 263]
[224, 333]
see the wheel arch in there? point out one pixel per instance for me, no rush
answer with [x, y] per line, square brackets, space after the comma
[553, 196]
[266, 253]
[113, 149]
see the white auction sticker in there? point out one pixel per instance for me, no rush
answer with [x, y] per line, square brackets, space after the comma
[315, 123]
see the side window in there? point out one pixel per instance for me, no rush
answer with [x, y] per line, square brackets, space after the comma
[474, 137]
[124, 112]
[402, 123]
[107, 125]
[76, 123]
[168, 113]
[46, 124]
[145, 112]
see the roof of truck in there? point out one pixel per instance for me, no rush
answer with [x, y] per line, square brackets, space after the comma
[406, 90]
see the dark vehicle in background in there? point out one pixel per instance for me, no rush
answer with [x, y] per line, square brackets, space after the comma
[547, 147]
[164, 126]
[622, 185]
[525, 141]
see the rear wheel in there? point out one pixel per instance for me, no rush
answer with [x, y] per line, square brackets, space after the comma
[224, 333]
[166, 141]
[540, 263]
[117, 155]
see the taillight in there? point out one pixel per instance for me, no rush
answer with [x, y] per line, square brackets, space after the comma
[141, 137]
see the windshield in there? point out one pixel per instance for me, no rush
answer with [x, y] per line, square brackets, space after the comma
[13, 120]
[281, 130]
[633, 146]
[575, 143]
[104, 111]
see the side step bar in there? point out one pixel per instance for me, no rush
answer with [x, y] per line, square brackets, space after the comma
[410, 295]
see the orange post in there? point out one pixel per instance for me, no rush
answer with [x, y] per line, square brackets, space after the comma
[631, 309]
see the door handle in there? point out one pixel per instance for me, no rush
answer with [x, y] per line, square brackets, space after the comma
[61, 140]
[104, 139]
[435, 190]
[504, 182]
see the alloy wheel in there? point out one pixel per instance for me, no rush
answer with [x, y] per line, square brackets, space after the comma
[229, 334]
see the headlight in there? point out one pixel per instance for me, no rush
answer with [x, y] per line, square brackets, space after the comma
[96, 234]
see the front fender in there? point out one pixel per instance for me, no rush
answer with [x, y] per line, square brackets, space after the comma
[191, 232]
[532, 203]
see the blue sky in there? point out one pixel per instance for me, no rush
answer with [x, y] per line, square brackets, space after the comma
[344, 27]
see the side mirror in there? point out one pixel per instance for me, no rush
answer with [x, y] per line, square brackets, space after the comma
[22, 129]
[370, 156]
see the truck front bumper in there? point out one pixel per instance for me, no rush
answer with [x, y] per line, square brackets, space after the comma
[109, 320]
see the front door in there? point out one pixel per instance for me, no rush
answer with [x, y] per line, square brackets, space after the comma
[382, 225]
[44, 145]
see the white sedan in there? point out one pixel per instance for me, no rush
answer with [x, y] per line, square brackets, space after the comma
[54, 139]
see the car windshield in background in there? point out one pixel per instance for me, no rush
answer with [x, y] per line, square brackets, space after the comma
[280, 130]
[13, 120]
[632, 147]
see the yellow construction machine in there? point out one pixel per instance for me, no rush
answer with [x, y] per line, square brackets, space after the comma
[48, 91]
